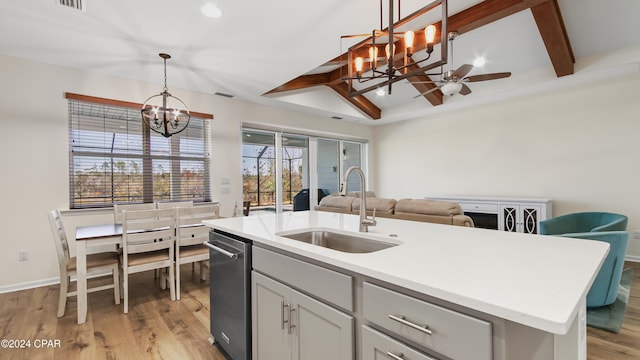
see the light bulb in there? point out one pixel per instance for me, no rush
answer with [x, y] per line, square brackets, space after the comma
[430, 34]
[373, 56]
[358, 64]
[408, 40]
[389, 52]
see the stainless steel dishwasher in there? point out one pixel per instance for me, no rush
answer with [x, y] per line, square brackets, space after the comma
[230, 293]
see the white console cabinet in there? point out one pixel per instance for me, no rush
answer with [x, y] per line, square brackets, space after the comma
[506, 214]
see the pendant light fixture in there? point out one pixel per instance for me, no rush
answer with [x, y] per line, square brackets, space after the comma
[163, 113]
[407, 46]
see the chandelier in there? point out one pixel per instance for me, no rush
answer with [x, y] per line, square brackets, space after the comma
[407, 46]
[163, 113]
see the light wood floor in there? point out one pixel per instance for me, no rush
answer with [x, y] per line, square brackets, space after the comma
[604, 345]
[157, 328]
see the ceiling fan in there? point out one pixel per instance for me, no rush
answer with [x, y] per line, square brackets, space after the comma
[454, 81]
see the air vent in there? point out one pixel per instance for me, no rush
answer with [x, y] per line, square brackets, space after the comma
[336, 117]
[74, 4]
[223, 94]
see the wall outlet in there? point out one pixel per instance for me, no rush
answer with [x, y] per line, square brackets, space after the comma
[636, 234]
[23, 256]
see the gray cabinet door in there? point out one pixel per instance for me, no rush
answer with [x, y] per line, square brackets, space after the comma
[271, 339]
[321, 332]
[288, 325]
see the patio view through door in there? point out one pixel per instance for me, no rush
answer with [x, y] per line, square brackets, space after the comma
[285, 172]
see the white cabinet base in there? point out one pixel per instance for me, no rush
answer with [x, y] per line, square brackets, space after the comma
[511, 214]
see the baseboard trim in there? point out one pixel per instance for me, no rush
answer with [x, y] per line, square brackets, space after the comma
[44, 282]
[632, 258]
[29, 285]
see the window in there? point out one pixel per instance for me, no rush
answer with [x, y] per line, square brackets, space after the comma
[113, 158]
[279, 168]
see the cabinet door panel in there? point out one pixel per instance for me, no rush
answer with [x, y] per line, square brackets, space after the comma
[321, 332]
[530, 220]
[271, 340]
[510, 218]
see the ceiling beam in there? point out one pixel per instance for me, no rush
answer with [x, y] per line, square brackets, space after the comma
[487, 12]
[554, 34]
[302, 82]
[360, 101]
[418, 82]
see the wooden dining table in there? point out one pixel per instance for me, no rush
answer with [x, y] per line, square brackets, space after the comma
[91, 236]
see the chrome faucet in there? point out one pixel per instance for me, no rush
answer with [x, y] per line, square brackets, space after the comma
[365, 222]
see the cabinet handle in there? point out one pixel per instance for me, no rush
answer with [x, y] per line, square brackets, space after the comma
[402, 320]
[291, 311]
[282, 320]
[400, 356]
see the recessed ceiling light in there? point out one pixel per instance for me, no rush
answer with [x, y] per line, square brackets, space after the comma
[211, 10]
[479, 61]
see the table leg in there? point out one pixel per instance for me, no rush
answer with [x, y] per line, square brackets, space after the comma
[573, 345]
[81, 274]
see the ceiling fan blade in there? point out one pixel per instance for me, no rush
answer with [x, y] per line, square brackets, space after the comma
[427, 92]
[465, 90]
[483, 77]
[425, 82]
[462, 71]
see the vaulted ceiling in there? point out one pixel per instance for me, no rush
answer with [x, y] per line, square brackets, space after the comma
[546, 14]
[286, 53]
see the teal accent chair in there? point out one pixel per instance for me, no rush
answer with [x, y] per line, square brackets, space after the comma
[583, 222]
[605, 287]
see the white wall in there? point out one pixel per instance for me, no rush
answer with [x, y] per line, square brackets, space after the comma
[579, 147]
[35, 159]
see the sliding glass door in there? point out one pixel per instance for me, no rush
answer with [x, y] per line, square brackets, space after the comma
[258, 170]
[295, 172]
[334, 158]
[351, 156]
[328, 165]
[285, 171]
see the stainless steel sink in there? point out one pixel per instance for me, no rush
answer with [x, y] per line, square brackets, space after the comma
[344, 242]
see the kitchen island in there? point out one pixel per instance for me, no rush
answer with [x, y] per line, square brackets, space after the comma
[527, 292]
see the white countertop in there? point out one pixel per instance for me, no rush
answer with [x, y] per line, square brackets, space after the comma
[533, 280]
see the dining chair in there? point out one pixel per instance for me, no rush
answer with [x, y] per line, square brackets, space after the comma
[147, 244]
[119, 208]
[191, 233]
[105, 263]
[173, 204]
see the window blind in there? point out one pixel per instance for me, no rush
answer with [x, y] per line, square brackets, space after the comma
[113, 158]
